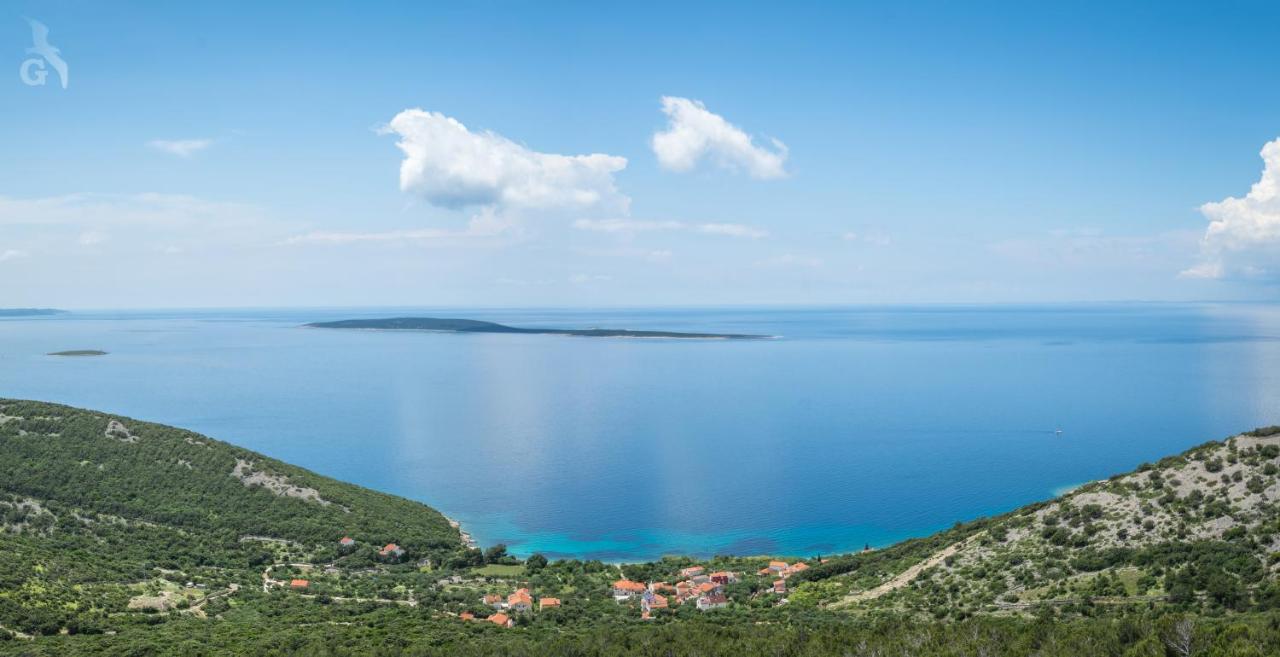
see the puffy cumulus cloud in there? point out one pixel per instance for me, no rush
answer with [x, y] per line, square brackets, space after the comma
[632, 226]
[451, 166]
[180, 147]
[694, 132]
[1244, 233]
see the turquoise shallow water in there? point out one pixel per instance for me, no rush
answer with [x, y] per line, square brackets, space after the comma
[859, 425]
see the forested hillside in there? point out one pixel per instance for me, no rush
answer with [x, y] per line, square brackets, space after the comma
[125, 537]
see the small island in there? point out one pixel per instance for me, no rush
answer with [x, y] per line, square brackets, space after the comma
[30, 312]
[446, 325]
[78, 352]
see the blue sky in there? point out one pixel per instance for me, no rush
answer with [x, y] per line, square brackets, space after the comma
[229, 154]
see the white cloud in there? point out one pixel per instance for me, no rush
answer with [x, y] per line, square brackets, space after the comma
[733, 230]
[873, 238]
[650, 255]
[626, 225]
[180, 147]
[583, 279]
[791, 260]
[11, 254]
[91, 237]
[693, 133]
[484, 224]
[451, 166]
[116, 224]
[1202, 270]
[1244, 233]
[631, 226]
[93, 211]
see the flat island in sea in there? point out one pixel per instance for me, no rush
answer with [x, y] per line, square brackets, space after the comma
[448, 325]
[78, 352]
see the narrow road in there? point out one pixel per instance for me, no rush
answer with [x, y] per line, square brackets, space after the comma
[905, 577]
[16, 634]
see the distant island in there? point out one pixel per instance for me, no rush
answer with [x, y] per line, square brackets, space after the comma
[78, 352]
[475, 326]
[29, 312]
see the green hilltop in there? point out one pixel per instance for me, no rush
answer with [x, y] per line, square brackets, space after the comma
[119, 536]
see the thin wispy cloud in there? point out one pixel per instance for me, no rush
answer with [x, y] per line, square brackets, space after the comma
[873, 237]
[584, 279]
[631, 226]
[732, 230]
[12, 254]
[791, 260]
[180, 147]
[695, 133]
[484, 224]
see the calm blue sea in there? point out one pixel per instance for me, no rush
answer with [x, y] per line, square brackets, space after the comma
[860, 425]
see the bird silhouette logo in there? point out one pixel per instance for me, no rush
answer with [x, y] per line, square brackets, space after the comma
[33, 70]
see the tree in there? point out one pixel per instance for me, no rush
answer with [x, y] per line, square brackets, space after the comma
[495, 554]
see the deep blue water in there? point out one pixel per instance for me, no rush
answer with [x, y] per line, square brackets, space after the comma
[860, 425]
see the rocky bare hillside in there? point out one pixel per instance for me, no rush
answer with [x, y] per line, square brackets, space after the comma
[1201, 529]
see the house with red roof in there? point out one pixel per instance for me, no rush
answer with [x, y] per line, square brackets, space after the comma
[712, 601]
[653, 602]
[625, 589]
[391, 551]
[797, 567]
[501, 620]
[299, 584]
[520, 601]
[547, 603]
[724, 577]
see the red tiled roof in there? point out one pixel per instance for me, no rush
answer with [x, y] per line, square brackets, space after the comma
[299, 583]
[499, 619]
[548, 602]
[628, 585]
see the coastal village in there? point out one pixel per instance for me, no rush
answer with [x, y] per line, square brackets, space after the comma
[514, 593]
[705, 591]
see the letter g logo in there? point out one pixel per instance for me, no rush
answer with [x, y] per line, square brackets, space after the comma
[33, 72]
